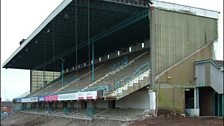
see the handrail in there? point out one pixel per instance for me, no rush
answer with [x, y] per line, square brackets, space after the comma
[135, 74]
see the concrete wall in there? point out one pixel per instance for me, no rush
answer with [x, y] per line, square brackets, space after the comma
[136, 100]
[172, 98]
[178, 35]
[182, 76]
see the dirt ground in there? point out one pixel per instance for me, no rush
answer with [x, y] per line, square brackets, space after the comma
[179, 121]
[21, 119]
[25, 119]
[166, 118]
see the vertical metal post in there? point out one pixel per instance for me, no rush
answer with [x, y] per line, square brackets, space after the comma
[93, 74]
[62, 72]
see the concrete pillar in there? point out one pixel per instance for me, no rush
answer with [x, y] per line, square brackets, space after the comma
[36, 106]
[40, 105]
[152, 102]
[28, 106]
[50, 104]
[31, 106]
[56, 105]
[91, 105]
[72, 104]
[65, 108]
[77, 105]
[44, 105]
[152, 43]
[24, 106]
[53, 106]
[196, 102]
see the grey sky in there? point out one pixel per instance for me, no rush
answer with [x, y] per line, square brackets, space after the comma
[21, 17]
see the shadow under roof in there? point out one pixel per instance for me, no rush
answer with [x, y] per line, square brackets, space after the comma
[66, 29]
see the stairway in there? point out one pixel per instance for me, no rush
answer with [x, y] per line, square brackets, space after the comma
[129, 86]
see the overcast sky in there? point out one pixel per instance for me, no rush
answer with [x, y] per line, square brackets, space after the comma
[19, 18]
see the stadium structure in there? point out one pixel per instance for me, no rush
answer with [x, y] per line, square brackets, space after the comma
[106, 57]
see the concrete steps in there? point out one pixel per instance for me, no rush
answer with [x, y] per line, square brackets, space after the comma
[129, 87]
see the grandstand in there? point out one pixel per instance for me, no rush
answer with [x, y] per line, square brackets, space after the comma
[107, 58]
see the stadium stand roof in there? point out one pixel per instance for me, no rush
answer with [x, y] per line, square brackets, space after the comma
[67, 26]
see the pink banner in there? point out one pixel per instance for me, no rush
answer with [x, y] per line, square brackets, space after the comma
[51, 98]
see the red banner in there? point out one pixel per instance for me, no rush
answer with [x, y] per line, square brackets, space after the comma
[51, 98]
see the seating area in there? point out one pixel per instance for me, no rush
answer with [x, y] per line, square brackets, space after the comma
[126, 70]
[106, 73]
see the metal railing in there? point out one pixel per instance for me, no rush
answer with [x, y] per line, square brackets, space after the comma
[128, 78]
[135, 74]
